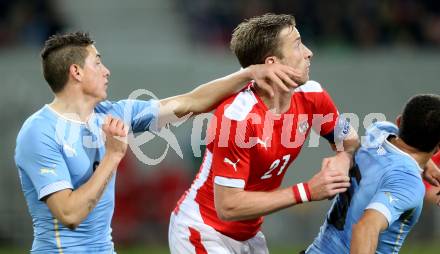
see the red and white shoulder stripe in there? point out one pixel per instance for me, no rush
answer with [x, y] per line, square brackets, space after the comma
[241, 106]
[310, 87]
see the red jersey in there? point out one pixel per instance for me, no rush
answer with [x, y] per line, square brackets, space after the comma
[251, 148]
[436, 159]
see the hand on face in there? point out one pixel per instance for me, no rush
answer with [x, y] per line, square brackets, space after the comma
[271, 77]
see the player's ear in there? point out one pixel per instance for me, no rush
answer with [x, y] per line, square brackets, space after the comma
[270, 60]
[76, 72]
[398, 119]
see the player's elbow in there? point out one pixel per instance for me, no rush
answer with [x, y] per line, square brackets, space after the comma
[228, 203]
[189, 104]
[69, 221]
[226, 211]
[225, 214]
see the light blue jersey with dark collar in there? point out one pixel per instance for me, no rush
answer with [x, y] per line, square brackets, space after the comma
[385, 179]
[54, 153]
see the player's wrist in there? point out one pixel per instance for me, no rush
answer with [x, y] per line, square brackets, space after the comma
[301, 193]
[113, 158]
[347, 155]
[248, 73]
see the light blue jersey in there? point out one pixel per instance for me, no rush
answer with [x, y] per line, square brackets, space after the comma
[54, 153]
[385, 179]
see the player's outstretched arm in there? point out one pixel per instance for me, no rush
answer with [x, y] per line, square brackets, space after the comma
[206, 97]
[365, 233]
[71, 207]
[237, 204]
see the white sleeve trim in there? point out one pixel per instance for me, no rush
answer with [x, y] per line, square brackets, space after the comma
[310, 87]
[229, 182]
[382, 209]
[54, 187]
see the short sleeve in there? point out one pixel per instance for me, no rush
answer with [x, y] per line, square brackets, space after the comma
[39, 157]
[400, 191]
[141, 115]
[324, 111]
[324, 105]
[231, 159]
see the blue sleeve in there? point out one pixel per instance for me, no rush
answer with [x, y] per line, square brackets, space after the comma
[399, 192]
[140, 115]
[39, 156]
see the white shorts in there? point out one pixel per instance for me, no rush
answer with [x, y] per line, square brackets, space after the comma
[187, 235]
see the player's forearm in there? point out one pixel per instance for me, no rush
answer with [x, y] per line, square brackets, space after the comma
[364, 239]
[351, 142]
[245, 205]
[206, 97]
[82, 200]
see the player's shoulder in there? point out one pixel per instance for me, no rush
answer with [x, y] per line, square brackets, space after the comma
[310, 92]
[404, 173]
[39, 128]
[108, 107]
[404, 178]
[377, 133]
[239, 106]
[122, 107]
[41, 121]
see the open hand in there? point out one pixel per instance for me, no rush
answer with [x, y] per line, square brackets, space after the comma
[271, 77]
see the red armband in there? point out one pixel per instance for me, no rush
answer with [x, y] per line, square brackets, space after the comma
[301, 193]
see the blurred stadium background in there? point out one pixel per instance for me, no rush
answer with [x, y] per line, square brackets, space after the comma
[370, 55]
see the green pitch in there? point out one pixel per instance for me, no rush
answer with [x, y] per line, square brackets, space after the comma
[411, 248]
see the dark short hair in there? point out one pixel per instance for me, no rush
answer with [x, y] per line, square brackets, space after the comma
[420, 123]
[60, 51]
[257, 38]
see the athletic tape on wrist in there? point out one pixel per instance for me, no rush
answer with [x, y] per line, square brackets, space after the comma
[301, 193]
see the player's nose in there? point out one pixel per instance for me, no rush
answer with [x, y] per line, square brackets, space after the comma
[308, 53]
[106, 72]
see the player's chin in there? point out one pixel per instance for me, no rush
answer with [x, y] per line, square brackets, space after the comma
[103, 96]
[303, 80]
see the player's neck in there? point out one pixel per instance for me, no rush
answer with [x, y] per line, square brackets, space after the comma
[73, 108]
[279, 103]
[421, 157]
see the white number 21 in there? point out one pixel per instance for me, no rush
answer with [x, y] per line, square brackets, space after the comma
[274, 165]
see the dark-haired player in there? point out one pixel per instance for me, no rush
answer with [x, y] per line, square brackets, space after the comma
[386, 194]
[67, 173]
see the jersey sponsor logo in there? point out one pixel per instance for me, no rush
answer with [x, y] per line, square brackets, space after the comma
[303, 127]
[48, 171]
[228, 161]
[70, 151]
[381, 151]
[391, 199]
[262, 143]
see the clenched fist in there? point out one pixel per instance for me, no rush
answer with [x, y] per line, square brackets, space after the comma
[115, 136]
